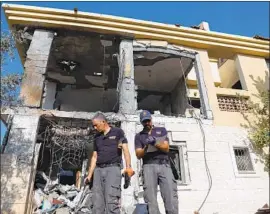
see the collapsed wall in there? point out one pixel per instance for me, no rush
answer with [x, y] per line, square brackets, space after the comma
[46, 160]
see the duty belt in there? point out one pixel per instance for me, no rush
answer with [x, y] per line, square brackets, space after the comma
[108, 165]
[156, 161]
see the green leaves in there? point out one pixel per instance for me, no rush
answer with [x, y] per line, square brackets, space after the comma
[259, 125]
[10, 82]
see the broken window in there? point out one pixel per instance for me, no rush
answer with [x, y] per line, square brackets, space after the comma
[174, 155]
[160, 81]
[83, 72]
[179, 160]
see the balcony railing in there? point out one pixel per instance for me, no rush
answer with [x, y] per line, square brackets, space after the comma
[232, 100]
[232, 104]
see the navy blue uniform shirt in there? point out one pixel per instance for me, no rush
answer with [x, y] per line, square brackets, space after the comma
[106, 146]
[152, 153]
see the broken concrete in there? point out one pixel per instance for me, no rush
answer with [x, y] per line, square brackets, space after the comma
[21, 147]
[207, 112]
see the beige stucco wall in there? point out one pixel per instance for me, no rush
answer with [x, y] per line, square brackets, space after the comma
[240, 68]
[248, 66]
[215, 72]
[192, 79]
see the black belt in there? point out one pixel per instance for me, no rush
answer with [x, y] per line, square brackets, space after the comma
[156, 161]
[103, 165]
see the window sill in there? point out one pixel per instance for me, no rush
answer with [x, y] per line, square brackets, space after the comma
[248, 175]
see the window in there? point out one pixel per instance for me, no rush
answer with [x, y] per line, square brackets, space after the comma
[243, 160]
[174, 155]
[178, 155]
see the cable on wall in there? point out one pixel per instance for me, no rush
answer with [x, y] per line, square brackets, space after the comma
[199, 121]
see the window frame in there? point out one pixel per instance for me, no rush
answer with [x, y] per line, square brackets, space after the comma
[239, 173]
[184, 170]
[180, 148]
[245, 149]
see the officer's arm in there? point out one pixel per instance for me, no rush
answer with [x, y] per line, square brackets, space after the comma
[126, 155]
[162, 143]
[140, 153]
[92, 164]
[139, 147]
[163, 146]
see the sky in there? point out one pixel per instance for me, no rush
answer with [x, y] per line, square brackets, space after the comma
[240, 18]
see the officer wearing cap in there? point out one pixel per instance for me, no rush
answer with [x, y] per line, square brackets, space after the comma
[106, 166]
[152, 145]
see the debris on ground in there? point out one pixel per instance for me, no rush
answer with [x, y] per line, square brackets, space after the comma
[54, 198]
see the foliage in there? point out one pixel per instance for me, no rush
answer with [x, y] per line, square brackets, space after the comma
[10, 82]
[258, 126]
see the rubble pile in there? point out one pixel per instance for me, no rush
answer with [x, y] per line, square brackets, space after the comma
[51, 197]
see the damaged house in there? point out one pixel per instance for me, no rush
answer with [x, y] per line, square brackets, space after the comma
[190, 78]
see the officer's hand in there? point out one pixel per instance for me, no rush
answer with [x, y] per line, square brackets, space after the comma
[151, 140]
[87, 180]
[129, 171]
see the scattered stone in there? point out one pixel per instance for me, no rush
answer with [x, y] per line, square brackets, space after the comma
[62, 210]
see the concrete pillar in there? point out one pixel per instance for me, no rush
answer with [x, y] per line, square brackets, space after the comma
[129, 194]
[179, 98]
[35, 68]
[206, 109]
[126, 85]
[18, 165]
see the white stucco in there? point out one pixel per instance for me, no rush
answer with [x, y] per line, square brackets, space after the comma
[230, 192]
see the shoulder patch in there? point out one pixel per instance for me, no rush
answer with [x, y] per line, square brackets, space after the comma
[158, 132]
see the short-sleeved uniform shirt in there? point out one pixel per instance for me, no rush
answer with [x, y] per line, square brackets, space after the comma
[152, 153]
[106, 146]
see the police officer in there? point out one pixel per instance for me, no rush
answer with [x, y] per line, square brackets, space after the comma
[152, 145]
[106, 166]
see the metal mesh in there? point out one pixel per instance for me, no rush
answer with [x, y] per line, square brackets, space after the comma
[243, 160]
[68, 141]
